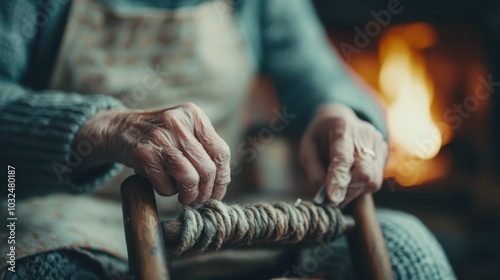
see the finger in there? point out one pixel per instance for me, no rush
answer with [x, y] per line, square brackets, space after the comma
[366, 176]
[342, 159]
[177, 166]
[218, 151]
[311, 162]
[203, 164]
[185, 175]
[149, 164]
[380, 148]
[361, 175]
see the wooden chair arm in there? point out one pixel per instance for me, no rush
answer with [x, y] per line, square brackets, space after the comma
[369, 254]
[147, 251]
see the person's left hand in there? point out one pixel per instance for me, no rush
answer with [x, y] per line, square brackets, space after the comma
[344, 153]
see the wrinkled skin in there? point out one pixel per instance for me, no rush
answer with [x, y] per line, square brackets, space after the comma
[332, 154]
[178, 150]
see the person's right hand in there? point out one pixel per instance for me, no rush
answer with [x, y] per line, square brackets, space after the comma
[177, 149]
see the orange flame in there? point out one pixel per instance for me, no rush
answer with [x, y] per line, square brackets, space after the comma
[408, 92]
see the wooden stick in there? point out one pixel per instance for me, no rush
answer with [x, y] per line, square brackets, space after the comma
[146, 250]
[370, 257]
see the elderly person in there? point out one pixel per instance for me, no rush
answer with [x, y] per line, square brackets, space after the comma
[87, 86]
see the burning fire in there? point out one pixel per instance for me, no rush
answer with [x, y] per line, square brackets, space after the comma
[408, 92]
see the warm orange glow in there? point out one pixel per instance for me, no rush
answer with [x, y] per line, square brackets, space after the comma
[408, 92]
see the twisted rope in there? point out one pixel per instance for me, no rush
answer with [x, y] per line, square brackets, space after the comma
[215, 223]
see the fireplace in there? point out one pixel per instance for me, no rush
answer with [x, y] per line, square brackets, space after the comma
[436, 89]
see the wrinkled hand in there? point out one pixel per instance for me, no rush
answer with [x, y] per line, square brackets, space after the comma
[177, 149]
[337, 151]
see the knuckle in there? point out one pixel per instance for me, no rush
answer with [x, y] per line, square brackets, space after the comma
[338, 169]
[167, 116]
[155, 133]
[139, 154]
[222, 154]
[225, 180]
[142, 154]
[189, 181]
[332, 169]
[174, 119]
[190, 107]
[223, 177]
[208, 172]
[173, 159]
[343, 159]
[342, 179]
[187, 196]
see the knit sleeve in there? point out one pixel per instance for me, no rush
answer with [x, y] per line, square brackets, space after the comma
[305, 70]
[38, 128]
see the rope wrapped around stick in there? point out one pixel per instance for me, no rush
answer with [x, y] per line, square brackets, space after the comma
[215, 223]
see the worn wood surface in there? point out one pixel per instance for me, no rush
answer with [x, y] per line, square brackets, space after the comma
[370, 257]
[146, 249]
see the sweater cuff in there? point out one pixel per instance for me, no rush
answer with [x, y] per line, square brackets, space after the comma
[40, 129]
[365, 106]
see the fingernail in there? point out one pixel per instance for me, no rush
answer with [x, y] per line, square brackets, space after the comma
[337, 196]
[320, 196]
